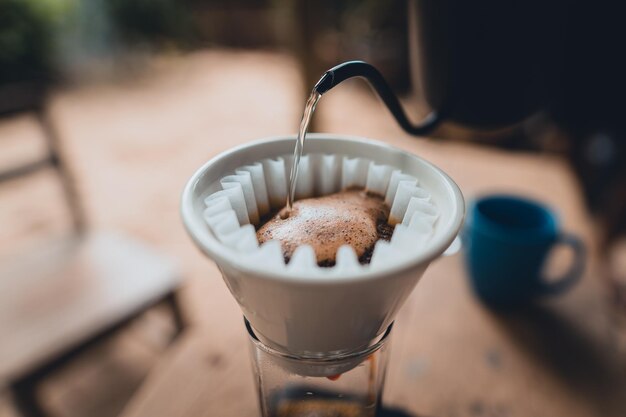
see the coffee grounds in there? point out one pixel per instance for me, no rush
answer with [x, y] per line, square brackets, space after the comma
[351, 217]
[385, 231]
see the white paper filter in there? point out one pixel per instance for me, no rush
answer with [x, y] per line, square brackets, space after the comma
[253, 191]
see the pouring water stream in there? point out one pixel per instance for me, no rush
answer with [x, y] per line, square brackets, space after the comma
[297, 153]
[334, 77]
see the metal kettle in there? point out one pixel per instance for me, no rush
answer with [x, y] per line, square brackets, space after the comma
[484, 65]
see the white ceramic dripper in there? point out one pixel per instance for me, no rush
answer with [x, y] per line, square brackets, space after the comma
[301, 314]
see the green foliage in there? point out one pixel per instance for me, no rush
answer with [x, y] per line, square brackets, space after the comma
[29, 30]
[25, 41]
[151, 21]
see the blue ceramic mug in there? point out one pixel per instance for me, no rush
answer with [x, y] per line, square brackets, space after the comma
[506, 242]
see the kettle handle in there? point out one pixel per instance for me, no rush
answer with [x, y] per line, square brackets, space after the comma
[350, 69]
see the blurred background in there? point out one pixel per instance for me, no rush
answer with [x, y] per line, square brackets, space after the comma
[107, 107]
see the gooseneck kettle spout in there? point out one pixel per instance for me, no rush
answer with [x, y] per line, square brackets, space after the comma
[342, 72]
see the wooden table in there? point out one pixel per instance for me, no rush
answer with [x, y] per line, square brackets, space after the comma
[450, 355]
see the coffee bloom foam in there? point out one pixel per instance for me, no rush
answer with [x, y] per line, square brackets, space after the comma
[253, 191]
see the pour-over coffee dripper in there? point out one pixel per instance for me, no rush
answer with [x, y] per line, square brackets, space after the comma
[298, 313]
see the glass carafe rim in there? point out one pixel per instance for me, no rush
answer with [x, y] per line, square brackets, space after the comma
[323, 358]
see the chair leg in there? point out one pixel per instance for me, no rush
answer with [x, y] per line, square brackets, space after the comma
[67, 180]
[179, 323]
[25, 397]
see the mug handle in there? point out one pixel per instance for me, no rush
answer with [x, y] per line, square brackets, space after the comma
[574, 273]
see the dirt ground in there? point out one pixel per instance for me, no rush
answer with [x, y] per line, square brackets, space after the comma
[133, 141]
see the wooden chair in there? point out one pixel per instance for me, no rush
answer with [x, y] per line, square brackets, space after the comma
[57, 301]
